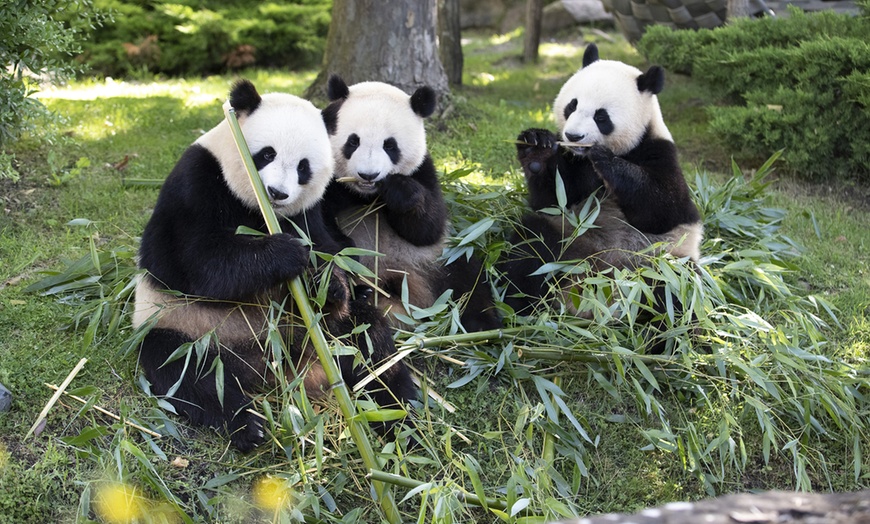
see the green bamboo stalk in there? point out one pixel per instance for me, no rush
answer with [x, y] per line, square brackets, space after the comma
[549, 451]
[410, 483]
[470, 338]
[300, 296]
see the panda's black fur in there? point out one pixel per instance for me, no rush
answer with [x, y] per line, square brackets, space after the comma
[201, 277]
[627, 160]
[397, 172]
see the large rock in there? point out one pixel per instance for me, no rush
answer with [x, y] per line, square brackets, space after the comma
[5, 399]
[771, 507]
[500, 16]
[585, 11]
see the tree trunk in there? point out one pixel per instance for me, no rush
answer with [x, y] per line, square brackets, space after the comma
[393, 41]
[450, 40]
[534, 18]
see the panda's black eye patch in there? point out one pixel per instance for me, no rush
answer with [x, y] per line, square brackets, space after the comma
[570, 108]
[603, 121]
[264, 157]
[350, 145]
[391, 147]
[304, 171]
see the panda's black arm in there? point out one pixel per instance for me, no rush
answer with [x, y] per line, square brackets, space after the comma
[541, 160]
[415, 206]
[337, 198]
[239, 267]
[649, 185]
[314, 222]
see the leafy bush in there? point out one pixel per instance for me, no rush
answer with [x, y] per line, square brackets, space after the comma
[206, 37]
[36, 42]
[798, 83]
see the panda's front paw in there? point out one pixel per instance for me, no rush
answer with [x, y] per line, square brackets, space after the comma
[290, 256]
[600, 156]
[363, 293]
[338, 292]
[401, 194]
[246, 431]
[535, 148]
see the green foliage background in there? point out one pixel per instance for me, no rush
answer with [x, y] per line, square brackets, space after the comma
[201, 37]
[36, 42]
[798, 83]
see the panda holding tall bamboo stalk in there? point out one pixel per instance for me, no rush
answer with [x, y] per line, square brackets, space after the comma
[208, 289]
[612, 146]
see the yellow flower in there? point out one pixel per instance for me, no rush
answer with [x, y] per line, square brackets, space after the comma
[271, 493]
[118, 503]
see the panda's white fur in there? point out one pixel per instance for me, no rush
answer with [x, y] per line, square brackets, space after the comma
[289, 124]
[612, 85]
[377, 112]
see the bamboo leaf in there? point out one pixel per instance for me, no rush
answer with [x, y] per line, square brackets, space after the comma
[472, 232]
[471, 468]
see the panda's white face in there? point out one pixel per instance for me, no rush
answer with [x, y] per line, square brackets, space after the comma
[290, 147]
[378, 134]
[602, 105]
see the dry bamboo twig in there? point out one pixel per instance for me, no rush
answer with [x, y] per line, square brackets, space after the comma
[56, 396]
[568, 145]
[106, 412]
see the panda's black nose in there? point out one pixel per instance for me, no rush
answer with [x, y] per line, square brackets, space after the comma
[574, 138]
[277, 194]
[368, 177]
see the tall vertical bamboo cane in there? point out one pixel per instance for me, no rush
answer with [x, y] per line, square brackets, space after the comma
[330, 368]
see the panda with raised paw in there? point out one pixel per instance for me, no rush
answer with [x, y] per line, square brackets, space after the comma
[612, 143]
[201, 277]
[387, 198]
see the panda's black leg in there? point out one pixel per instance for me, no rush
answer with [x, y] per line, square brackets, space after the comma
[533, 244]
[394, 387]
[466, 276]
[196, 397]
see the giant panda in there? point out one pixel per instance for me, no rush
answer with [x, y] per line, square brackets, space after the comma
[202, 279]
[612, 143]
[386, 197]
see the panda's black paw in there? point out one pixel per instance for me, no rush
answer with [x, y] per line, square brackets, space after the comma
[290, 256]
[402, 194]
[363, 293]
[246, 432]
[600, 156]
[535, 148]
[338, 292]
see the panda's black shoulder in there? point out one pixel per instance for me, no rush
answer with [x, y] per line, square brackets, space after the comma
[658, 152]
[193, 201]
[196, 176]
[426, 172]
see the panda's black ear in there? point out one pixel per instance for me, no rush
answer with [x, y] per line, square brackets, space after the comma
[244, 97]
[590, 55]
[423, 101]
[336, 88]
[652, 81]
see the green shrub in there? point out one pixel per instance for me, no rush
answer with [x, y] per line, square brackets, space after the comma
[36, 43]
[797, 83]
[207, 37]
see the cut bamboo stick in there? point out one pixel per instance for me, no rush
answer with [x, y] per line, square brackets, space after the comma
[107, 412]
[57, 394]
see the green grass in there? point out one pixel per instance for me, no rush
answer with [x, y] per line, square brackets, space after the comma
[498, 431]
